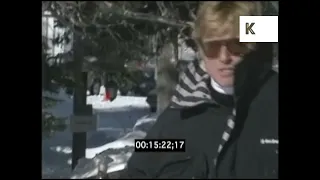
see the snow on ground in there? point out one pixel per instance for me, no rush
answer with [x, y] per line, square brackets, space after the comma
[120, 122]
[121, 102]
[119, 151]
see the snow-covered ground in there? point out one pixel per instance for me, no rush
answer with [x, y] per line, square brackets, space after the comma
[120, 122]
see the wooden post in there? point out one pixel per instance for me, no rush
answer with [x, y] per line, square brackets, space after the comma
[79, 139]
[79, 101]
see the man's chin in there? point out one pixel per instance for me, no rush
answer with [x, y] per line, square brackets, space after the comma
[226, 82]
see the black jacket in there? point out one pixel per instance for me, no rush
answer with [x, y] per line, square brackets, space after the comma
[226, 137]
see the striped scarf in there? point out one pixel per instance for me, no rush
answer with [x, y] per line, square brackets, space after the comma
[192, 90]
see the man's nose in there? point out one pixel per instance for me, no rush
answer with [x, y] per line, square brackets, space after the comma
[224, 54]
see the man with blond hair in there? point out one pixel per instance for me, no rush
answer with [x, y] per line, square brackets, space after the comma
[225, 106]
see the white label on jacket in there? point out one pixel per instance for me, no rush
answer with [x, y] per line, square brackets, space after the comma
[269, 141]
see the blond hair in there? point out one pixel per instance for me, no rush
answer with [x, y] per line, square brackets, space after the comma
[216, 18]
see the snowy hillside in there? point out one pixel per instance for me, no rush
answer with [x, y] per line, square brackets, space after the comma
[113, 156]
[120, 122]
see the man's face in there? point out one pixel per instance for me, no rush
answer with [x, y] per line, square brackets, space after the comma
[221, 57]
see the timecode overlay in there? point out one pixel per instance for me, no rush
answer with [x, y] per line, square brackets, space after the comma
[160, 145]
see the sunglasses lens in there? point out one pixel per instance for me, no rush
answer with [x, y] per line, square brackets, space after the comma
[237, 48]
[234, 47]
[212, 49]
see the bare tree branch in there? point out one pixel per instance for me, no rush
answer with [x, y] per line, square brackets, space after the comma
[191, 13]
[162, 8]
[108, 7]
[65, 23]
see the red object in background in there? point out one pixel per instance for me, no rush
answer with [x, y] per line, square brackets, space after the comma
[107, 96]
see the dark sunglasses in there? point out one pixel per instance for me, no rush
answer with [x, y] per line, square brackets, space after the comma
[234, 47]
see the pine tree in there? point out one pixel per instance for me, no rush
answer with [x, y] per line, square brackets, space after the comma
[54, 77]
